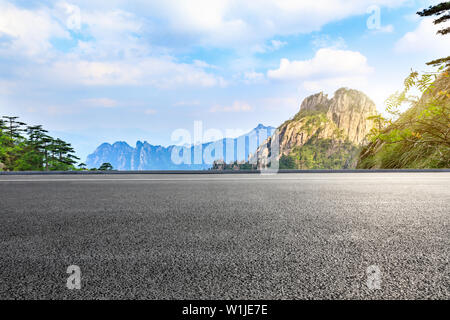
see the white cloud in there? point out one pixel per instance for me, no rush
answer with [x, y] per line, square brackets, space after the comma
[425, 39]
[150, 26]
[112, 34]
[237, 106]
[135, 45]
[253, 77]
[80, 72]
[112, 53]
[158, 72]
[329, 69]
[277, 44]
[230, 23]
[68, 15]
[327, 63]
[270, 46]
[203, 64]
[332, 84]
[28, 31]
[108, 23]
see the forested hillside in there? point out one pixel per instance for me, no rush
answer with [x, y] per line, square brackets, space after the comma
[30, 148]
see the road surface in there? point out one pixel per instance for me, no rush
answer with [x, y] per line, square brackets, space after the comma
[286, 236]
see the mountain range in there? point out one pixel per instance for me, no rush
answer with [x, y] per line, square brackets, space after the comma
[146, 156]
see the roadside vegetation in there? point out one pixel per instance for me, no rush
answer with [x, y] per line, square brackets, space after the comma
[418, 137]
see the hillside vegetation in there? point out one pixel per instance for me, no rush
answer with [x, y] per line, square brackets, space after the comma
[419, 137]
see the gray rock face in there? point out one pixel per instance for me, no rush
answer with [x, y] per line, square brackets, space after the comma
[315, 102]
[349, 110]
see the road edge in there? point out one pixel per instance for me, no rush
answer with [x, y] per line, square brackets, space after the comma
[281, 171]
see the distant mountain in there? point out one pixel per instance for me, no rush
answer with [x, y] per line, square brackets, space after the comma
[325, 134]
[146, 156]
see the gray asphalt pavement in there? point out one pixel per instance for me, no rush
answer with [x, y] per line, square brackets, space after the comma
[286, 236]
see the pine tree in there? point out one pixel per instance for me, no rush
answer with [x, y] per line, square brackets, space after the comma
[105, 167]
[82, 166]
[13, 127]
[63, 152]
[443, 11]
[31, 148]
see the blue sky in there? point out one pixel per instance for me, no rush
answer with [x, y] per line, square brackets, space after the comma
[102, 71]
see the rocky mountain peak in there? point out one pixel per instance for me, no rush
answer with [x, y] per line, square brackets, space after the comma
[343, 119]
[261, 127]
[348, 109]
[345, 100]
[315, 102]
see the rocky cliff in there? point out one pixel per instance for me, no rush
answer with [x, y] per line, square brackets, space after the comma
[325, 133]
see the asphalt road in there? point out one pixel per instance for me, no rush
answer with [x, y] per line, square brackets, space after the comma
[287, 236]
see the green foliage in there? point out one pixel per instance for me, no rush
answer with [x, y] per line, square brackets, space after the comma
[419, 137]
[105, 167]
[441, 61]
[288, 162]
[435, 10]
[82, 166]
[321, 154]
[311, 117]
[443, 11]
[29, 148]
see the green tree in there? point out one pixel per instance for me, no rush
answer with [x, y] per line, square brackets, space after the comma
[82, 166]
[47, 149]
[105, 167]
[13, 127]
[31, 148]
[12, 141]
[35, 148]
[441, 10]
[62, 154]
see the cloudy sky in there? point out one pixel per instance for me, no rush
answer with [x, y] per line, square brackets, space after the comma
[108, 70]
